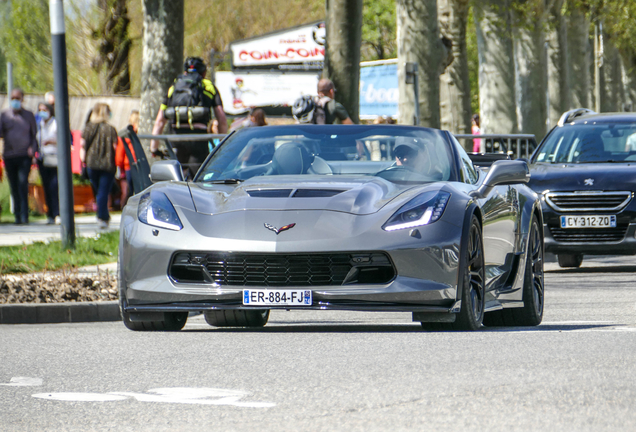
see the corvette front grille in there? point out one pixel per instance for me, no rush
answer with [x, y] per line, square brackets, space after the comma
[588, 201]
[281, 270]
[589, 235]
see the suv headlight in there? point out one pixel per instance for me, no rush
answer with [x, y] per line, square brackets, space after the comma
[155, 209]
[422, 210]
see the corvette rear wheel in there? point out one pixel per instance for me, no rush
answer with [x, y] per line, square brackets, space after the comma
[237, 318]
[570, 260]
[531, 313]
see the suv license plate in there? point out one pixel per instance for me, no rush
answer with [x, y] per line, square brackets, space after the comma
[588, 221]
[253, 297]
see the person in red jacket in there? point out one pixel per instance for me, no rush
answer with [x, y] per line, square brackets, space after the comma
[122, 162]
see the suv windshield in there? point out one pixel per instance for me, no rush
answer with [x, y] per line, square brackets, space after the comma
[397, 154]
[589, 144]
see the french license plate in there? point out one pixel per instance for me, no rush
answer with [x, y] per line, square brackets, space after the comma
[252, 297]
[588, 221]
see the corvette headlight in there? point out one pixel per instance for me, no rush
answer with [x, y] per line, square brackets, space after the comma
[422, 210]
[156, 209]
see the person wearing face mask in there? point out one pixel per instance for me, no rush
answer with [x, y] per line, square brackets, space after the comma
[98, 146]
[47, 160]
[18, 128]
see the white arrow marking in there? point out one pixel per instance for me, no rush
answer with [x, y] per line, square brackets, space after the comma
[182, 395]
[23, 382]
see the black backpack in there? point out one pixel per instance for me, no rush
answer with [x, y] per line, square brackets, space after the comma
[188, 91]
[309, 110]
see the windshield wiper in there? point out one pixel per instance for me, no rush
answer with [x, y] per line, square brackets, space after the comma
[225, 181]
[605, 161]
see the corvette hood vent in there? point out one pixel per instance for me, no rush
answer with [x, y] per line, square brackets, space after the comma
[349, 195]
[294, 193]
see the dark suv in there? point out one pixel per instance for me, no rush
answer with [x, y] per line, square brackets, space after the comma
[585, 172]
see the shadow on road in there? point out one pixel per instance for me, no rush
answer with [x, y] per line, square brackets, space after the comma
[321, 327]
[604, 269]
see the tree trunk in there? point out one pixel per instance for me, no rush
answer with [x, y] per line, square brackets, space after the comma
[419, 42]
[162, 56]
[558, 76]
[531, 87]
[342, 52]
[611, 79]
[454, 83]
[629, 80]
[580, 60]
[498, 111]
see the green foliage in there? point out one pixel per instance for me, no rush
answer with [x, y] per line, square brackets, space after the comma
[53, 256]
[26, 42]
[379, 30]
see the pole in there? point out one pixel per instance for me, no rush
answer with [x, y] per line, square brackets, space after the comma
[64, 174]
[212, 73]
[410, 69]
[9, 79]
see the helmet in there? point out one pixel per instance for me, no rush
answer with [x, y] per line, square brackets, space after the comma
[193, 64]
[303, 109]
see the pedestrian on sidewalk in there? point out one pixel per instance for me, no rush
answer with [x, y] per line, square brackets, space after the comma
[18, 128]
[121, 158]
[47, 159]
[99, 143]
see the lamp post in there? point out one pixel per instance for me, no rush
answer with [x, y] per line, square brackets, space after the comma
[64, 173]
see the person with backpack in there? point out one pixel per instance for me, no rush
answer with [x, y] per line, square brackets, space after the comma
[191, 103]
[322, 109]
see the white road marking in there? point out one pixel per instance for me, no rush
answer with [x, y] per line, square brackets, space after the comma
[80, 397]
[181, 395]
[23, 382]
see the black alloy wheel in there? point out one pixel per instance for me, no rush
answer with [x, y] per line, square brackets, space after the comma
[472, 286]
[531, 314]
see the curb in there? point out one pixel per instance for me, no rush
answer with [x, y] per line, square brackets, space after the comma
[52, 313]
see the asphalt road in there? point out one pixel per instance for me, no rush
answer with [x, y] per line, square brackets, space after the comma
[339, 371]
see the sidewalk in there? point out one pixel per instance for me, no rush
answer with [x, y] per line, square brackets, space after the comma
[39, 231]
[68, 312]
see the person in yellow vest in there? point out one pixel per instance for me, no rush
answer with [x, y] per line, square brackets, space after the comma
[189, 106]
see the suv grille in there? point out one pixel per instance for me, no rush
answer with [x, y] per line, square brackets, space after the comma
[280, 270]
[591, 235]
[588, 201]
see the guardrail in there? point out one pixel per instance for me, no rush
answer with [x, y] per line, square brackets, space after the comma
[515, 145]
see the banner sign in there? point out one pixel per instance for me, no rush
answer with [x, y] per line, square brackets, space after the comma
[241, 92]
[295, 49]
[379, 89]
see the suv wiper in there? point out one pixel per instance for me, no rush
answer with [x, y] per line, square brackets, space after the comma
[225, 181]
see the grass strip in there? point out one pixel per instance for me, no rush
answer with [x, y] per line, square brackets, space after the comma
[50, 256]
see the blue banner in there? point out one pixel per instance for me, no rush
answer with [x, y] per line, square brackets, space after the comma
[379, 91]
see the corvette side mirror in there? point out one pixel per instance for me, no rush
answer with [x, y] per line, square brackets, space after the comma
[169, 170]
[503, 172]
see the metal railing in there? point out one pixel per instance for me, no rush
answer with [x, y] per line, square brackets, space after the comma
[514, 145]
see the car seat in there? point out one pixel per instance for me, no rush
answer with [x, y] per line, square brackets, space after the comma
[291, 158]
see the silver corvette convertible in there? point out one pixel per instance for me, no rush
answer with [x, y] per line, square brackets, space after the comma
[361, 218]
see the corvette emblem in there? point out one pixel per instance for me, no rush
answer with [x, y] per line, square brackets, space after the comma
[281, 229]
[589, 182]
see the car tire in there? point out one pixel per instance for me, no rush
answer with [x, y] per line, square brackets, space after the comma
[570, 260]
[473, 286]
[173, 321]
[531, 314]
[237, 318]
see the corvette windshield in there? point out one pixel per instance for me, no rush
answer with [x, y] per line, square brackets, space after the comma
[590, 144]
[398, 154]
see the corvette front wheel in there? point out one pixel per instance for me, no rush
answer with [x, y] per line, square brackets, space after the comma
[237, 318]
[473, 294]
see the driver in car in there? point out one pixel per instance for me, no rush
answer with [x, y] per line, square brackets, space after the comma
[411, 155]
